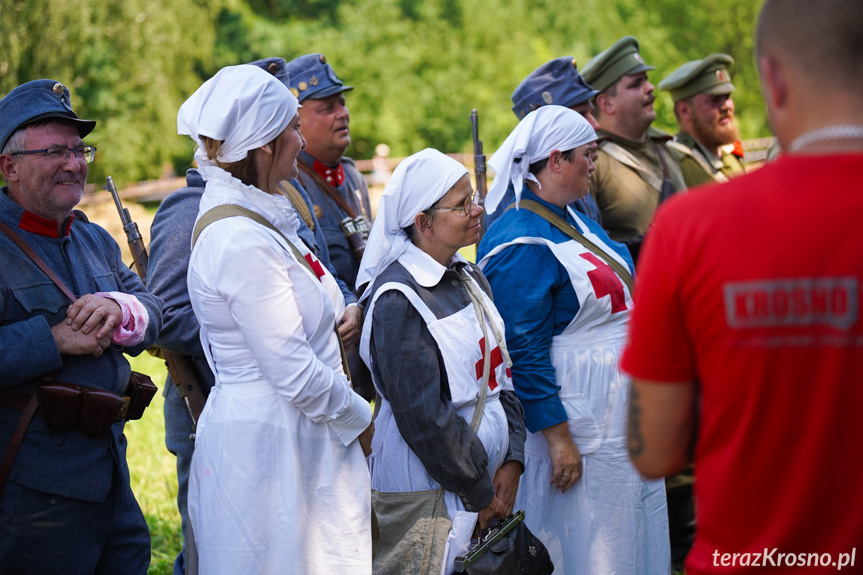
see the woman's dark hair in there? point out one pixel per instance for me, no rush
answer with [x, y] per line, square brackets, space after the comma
[539, 166]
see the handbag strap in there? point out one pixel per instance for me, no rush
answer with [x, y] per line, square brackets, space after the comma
[573, 232]
[328, 189]
[40, 263]
[232, 210]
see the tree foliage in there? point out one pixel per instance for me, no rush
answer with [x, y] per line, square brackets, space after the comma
[418, 66]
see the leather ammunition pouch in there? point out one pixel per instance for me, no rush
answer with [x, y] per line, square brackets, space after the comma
[92, 411]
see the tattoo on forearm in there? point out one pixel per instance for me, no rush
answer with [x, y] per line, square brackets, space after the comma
[634, 440]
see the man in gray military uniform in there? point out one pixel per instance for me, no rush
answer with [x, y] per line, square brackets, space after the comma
[635, 170]
[707, 144]
[339, 194]
[555, 82]
[335, 186]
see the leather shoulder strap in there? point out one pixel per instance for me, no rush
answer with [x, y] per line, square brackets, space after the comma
[623, 156]
[573, 232]
[293, 194]
[328, 189]
[698, 159]
[15, 442]
[19, 241]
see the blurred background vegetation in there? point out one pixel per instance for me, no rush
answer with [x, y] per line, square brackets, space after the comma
[418, 66]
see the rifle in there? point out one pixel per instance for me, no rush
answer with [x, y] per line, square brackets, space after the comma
[180, 366]
[479, 168]
[133, 236]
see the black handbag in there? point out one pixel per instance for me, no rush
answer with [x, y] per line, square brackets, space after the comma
[507, 549]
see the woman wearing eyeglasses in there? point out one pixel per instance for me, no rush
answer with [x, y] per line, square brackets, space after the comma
[564, 289]
[425, 346]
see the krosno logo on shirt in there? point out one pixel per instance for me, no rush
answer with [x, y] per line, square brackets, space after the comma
[773, 558]
[793, 302]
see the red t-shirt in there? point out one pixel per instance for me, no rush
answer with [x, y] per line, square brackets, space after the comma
[753, 289]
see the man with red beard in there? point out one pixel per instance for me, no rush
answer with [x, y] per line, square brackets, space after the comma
[635, 170]
[707, 144]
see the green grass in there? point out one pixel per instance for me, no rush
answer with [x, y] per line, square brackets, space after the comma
[154, 473]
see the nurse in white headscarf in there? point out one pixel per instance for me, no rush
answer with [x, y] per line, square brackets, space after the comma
[279, 482]
[564, 289]
[425, 346]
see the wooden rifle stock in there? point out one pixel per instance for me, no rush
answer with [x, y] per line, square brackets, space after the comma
[181, 367]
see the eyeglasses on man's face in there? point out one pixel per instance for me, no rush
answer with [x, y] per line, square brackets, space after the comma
[61, 154]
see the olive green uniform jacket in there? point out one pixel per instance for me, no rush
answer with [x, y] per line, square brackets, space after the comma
[628, 192]
[700, 166]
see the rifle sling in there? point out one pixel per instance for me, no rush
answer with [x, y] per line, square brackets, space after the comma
[573, 232]
[233, 210]
[328, 189]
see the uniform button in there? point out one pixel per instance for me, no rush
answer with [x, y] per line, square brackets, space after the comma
[454, 283]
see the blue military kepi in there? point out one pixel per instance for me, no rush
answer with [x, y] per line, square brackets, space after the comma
[275, 66]
[34, 101]
[312, 78]
[555, 82]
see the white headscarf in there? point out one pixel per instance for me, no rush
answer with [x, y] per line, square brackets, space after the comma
[417, 183]
[541, 132]
[244, 106]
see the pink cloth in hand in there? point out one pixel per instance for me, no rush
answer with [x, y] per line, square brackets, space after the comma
[135, 318]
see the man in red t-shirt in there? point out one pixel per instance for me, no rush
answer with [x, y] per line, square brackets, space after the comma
[746, 341]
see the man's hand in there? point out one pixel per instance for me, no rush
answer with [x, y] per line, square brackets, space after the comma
[92, 312]
[71, 341]
[565, 458]
[351, 325]
[506, 485]
[495, 510]
[366, 439]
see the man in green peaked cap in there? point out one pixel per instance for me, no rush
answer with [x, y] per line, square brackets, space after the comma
[707, 144]
[635, 170]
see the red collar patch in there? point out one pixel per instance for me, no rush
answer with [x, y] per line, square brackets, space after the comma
[333, 176]
[47, 227]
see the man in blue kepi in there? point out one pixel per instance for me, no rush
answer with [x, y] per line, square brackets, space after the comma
[339, 194]
[66, 503]
[555, 82]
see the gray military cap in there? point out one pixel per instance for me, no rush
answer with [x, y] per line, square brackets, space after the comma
[707, 76]
[621, 59]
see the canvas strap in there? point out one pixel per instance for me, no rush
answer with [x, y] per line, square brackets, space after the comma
[233, 210]
[573, 232]
[293, 194]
